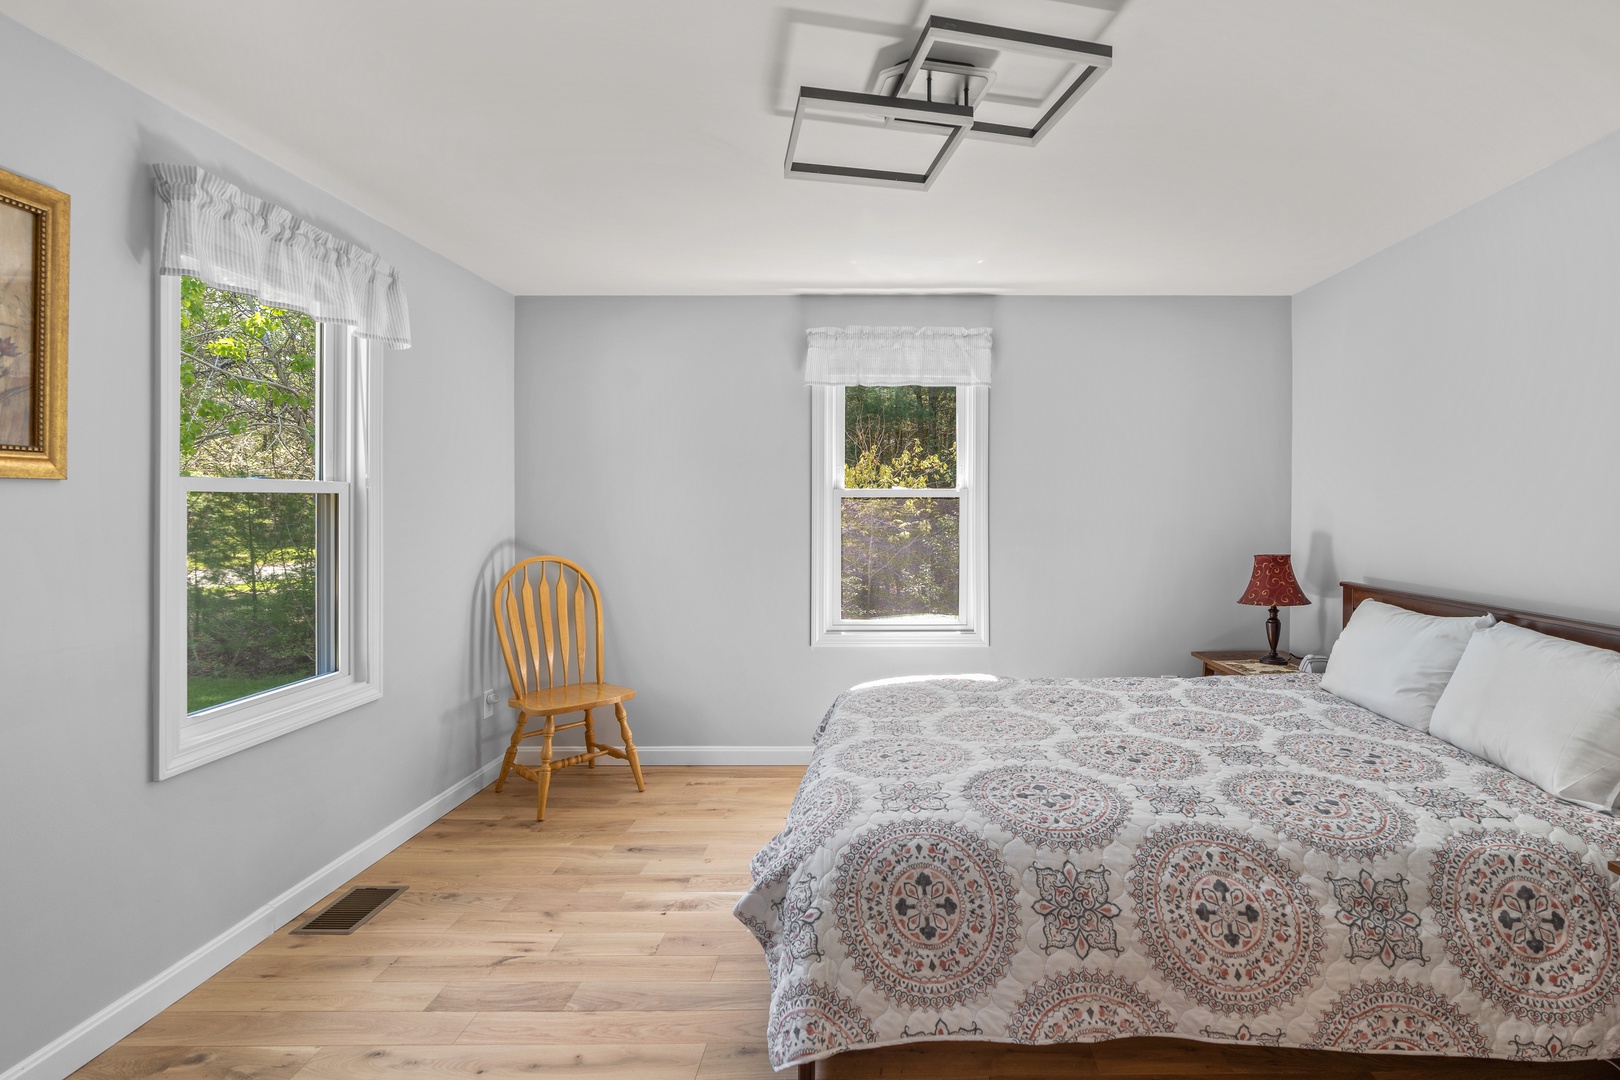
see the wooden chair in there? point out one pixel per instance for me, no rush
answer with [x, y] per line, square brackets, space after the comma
[540, 688]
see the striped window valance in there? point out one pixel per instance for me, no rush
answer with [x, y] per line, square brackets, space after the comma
[216, 232]
[898, 356]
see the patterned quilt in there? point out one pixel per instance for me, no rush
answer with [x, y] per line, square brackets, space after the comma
[1224, 859]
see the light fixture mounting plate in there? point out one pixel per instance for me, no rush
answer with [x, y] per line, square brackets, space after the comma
[975, 80]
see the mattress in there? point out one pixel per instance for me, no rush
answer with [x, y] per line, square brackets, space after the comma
[1235, 860]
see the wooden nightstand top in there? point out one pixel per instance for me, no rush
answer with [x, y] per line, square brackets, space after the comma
[1221, 662]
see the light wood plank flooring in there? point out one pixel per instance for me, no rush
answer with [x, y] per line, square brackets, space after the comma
[598, 944]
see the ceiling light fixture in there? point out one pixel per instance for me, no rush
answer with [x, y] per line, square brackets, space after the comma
[963, 78]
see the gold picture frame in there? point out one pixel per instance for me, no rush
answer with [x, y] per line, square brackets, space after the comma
[33, 329]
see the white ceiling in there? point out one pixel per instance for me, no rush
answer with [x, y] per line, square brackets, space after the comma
[635, 146]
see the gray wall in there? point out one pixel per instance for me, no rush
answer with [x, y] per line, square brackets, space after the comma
[1454, 405]
[1138, 459]
[106, 877]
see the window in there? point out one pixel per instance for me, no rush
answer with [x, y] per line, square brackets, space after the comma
[269, 546]
[900, 532]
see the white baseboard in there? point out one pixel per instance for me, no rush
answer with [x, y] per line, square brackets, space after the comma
[529, 754]
[69, 1051]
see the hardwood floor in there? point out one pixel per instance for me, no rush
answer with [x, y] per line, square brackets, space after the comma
[600, 944]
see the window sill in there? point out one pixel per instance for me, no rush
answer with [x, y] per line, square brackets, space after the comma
[200, 743]
[895, 635]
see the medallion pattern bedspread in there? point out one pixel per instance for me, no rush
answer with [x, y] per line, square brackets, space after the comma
[1229, 859]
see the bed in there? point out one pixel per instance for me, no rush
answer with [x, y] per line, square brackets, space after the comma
[1231, 861]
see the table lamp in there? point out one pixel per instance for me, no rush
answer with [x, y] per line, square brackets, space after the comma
[1272, 585]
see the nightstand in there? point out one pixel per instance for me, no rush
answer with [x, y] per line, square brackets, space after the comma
[1243, 662]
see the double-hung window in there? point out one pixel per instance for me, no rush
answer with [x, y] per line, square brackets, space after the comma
[269, 553]
[899, 454]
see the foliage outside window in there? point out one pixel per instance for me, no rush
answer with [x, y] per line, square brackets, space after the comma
[247, 386]
[248, 408]
[900, 515]
[900, 556]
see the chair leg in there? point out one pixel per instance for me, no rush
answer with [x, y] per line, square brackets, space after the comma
[590, 739]
[511, 751]
[629, 746]
[545, 769]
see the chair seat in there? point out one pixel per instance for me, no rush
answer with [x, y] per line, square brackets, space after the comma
[562, 699]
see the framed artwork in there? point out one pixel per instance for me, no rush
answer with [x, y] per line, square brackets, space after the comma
[33, 329]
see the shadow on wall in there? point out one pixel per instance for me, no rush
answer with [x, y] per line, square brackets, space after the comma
[1322, 584]
[485, 668]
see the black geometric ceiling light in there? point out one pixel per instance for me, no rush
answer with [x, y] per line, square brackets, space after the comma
[962, 78]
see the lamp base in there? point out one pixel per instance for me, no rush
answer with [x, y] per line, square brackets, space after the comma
[1274, 658]
[1273, 632]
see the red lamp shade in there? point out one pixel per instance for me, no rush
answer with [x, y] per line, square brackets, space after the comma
[1273, 584]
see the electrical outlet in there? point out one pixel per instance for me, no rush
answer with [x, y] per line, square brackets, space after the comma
[489, 704]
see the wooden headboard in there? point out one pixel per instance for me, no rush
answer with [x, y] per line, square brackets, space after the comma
[1587, 633]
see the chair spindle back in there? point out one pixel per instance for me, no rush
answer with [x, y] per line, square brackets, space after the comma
[524, 623]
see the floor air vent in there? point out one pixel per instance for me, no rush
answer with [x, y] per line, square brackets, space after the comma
[351, 910]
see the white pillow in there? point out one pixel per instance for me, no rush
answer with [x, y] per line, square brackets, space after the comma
[1542, 707]
[1396, 662]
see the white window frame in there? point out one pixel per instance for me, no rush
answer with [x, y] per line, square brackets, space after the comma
[349, 444]
[972, 624]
